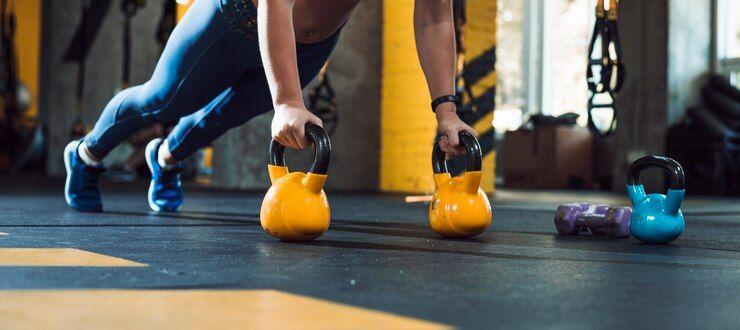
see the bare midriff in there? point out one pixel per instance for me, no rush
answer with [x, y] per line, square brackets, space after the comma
[317, 20]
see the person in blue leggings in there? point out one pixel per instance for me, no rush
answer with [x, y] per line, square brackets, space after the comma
[229, 61]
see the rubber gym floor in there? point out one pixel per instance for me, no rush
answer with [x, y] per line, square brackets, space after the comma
[379, 266]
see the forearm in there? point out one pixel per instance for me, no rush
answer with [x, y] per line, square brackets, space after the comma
[277, 48]
[435, 43]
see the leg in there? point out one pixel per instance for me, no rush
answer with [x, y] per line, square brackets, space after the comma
[234, 106]
[202, 58]
[237, 105]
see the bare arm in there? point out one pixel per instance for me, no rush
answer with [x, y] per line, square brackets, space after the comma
[278, 51]
[435, 42]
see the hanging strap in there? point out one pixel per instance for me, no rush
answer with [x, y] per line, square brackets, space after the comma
[608, 62]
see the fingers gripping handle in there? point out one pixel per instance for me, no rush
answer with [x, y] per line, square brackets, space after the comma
[473, 174]
[474, 154]
[322, 150]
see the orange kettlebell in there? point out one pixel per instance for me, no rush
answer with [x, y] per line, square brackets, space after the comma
[295, 207]
[459, 208]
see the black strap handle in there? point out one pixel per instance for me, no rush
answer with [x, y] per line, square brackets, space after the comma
[609, 65]
[591, 120]
[474, 154]
[674, 169]
[601, 35]
[322, 150]
[615, 62]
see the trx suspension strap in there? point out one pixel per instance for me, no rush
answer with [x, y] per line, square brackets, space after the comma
[607, 61]
[129, 9]
[93, 13]
[322, 101]
[614, 74]
[600, 34]
[78, 129]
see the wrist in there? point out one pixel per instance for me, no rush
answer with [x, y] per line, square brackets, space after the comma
[446, 109]
[445, 112]
[289, 105]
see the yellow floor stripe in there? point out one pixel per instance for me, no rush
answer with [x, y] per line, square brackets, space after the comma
[60, 258]
[189, 309]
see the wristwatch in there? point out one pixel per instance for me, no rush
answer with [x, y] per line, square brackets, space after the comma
[445, 99]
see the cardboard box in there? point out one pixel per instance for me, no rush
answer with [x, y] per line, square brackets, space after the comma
[548, 158]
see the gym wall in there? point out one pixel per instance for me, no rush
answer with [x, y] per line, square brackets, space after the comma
[61, 19]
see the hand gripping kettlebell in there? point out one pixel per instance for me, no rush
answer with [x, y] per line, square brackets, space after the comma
[459, 208]
[656, 218]
[295, 207]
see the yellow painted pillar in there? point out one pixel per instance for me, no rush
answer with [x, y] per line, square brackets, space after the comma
[408, 126]
[182, 7]
[28, 44]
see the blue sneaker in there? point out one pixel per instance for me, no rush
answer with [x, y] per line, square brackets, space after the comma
[165, 190]
[81, 188]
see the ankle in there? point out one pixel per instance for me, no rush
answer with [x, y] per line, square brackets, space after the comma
[87, 156]
[165, 159]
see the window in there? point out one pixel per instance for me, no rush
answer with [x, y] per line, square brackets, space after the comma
[511, 94]
[570, 23]
[542, 51]
[728, 39]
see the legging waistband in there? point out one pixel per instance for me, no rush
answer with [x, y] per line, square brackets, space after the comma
[241, 15]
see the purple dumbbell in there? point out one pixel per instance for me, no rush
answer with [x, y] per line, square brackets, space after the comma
[578, 218]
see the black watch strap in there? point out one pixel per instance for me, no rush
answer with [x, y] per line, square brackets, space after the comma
[445, 99]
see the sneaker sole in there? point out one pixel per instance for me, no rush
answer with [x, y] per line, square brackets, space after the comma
[149, 193]
[68, 168]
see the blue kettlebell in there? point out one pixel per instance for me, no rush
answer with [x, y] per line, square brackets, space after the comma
[656, 218]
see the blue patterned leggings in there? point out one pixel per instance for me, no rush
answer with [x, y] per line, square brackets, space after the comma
[209, 79]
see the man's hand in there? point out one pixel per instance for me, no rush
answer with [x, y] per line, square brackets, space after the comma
[289, 125]
[450, 126]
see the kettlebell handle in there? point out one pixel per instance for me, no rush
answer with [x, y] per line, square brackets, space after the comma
[674, 169]
[322, 150]
[474, 154]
